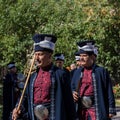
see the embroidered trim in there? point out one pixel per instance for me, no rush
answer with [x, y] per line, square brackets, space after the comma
[95, 94]
[112, 110]
[52, 94]
[46, 44]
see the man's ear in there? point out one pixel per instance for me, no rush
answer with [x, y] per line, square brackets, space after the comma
[92, 56]
[50, 55]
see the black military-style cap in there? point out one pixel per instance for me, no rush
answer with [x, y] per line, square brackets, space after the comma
[59, 56]
[44, 42]
[86, 46]
[11, 65]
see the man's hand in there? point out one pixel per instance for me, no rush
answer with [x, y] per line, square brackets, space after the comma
[75, 96]
[111, 115]
[15, 114]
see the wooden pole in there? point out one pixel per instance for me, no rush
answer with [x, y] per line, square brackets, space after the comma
[27, 79]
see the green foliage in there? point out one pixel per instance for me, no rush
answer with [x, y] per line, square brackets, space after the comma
[116, 90]
[69, 20]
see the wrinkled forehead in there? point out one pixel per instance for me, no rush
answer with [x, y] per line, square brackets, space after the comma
[84, 55]
[41, 52]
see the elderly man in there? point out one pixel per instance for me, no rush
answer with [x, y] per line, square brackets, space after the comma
[91, 86]
[48, 95]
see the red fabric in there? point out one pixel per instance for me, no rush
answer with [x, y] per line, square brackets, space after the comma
[84, 113]
[88, 91]
[42, 87]
[86, 88]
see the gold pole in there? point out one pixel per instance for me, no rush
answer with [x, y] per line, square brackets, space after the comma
[27, 79]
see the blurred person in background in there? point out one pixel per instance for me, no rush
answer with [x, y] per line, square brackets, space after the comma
[10, 90]
[73, 66]
[59, 62]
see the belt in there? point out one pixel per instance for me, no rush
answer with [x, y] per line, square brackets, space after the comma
[86, 101]
[45, 104]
